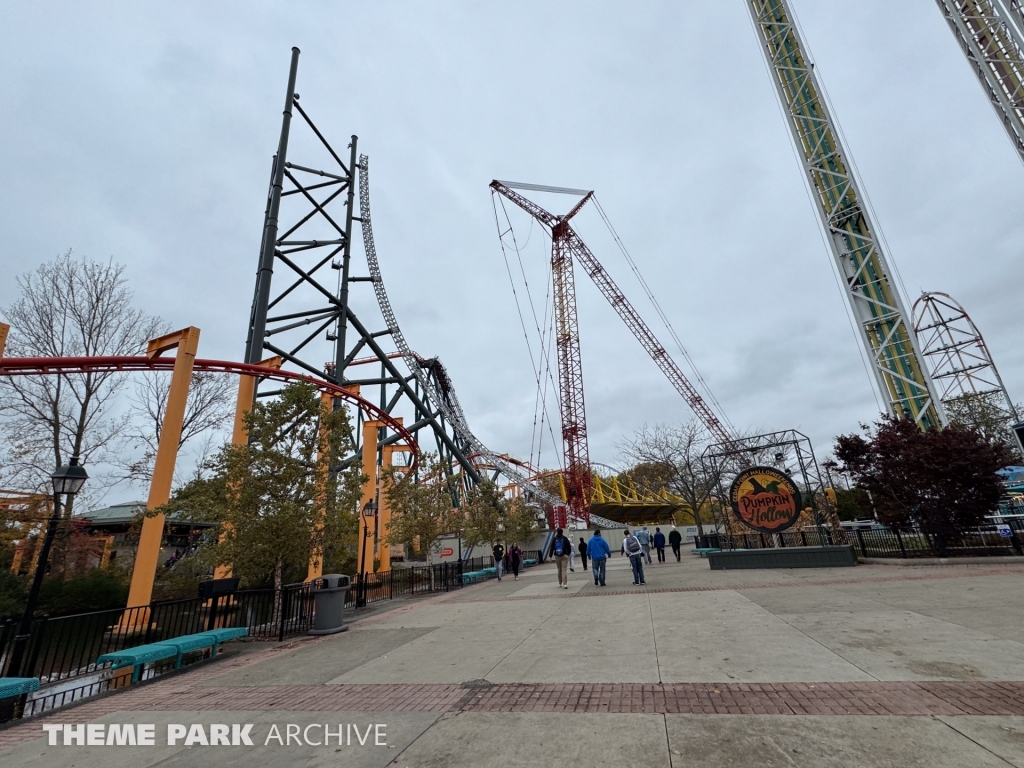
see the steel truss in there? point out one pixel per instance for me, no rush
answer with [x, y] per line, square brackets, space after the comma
[883, 321]
[961, 364]
[991, 35]
[789, 451]
[307, 315]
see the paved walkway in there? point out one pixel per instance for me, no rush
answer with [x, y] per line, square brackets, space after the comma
[871, 666]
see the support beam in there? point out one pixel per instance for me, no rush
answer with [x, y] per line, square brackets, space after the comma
[368, 534]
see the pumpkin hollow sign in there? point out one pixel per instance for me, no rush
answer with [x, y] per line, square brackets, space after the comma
[765, 499]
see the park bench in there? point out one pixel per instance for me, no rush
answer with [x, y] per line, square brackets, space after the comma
[528, 563]
[705, 551]
[16, 686]
[173, 648]
[472, 577]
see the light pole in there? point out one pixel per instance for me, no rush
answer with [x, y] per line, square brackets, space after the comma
[67, 480]
[369, 511]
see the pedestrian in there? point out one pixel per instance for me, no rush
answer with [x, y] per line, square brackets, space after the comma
[676, 540]
[515, 559]
[582, 546]
[635, 552]
[572, 555]
[659, 544]
[599, 552]
[499, 558]
[560, 549]
[644, 537]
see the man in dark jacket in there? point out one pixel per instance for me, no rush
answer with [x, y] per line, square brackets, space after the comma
[659, 544]
[499, 558]
[582, 547]
[675, 539]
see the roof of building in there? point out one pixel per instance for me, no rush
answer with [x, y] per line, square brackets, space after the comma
[117, 514]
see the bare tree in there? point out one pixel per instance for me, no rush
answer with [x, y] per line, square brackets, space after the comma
[668, 457]
[210, 406]
[69, 307]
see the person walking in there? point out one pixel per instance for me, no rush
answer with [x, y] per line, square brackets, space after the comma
[515, 559]
[582, 547]
[560, 549]
[676, 540]
[644, 537]
[572, 555]
[599, 552]
[635, 552]
[659, 544]
[499, 558]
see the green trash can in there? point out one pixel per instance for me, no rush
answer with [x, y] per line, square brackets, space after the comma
[329, 604]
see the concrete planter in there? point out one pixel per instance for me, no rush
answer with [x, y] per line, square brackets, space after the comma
[785, 557]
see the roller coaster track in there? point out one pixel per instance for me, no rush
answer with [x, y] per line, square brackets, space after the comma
[446, 401]
[40, 366]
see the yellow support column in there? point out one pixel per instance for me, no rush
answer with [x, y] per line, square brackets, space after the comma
[384, 510]
[144, 572]
[4, 330]
[368, 534]
[239, 434]
[316, 556]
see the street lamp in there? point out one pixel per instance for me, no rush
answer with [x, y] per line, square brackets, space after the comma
[369, 511]
[67, 481]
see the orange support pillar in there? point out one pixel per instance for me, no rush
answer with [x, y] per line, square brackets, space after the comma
[4, 330]
[316, 555]
[144, 572]
[239, 435]
[368, 534]
[384, 511]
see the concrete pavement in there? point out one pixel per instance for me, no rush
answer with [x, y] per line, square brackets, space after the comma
[871, 666]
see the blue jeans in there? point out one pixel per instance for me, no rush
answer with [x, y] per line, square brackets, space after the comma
[597, 567]
[637, 561]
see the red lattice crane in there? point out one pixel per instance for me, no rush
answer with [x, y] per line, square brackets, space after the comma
[566, 244]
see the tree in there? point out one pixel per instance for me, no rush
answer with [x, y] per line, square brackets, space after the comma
[278, 504]
[672, 456]
[490, 515]
[944, 481]
[210, 406]
[988, 413]
[421, 506]
[69, 307]
[853, 504]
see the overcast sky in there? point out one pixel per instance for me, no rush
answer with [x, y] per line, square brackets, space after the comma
[144, 132]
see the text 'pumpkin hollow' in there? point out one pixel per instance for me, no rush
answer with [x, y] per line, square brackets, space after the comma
[765, 499]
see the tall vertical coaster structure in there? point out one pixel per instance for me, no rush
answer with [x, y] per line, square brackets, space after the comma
[882, 320]
[991, 35]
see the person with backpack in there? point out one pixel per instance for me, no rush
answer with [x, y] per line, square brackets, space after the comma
[635, 553]
[582, 546]
[659, 544]
[676, 540]
[599, 552]
[560, 549]
[645, 543]
[499, 558]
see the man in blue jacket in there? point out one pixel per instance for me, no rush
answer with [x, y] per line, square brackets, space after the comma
[599, 552]
[659, 544]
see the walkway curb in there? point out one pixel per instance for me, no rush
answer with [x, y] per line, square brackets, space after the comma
[940, 560]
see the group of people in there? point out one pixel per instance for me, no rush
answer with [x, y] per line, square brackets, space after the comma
[514, 556]
[636, 546]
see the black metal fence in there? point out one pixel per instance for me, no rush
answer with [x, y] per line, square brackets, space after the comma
[890, 542]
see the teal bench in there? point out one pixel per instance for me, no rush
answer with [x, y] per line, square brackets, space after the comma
[16, 686]
[174, 648]
[704, 551]
[473, 577]
[529, 562]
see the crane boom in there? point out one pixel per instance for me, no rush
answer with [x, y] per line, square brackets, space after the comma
[882, 320]
[991, 35]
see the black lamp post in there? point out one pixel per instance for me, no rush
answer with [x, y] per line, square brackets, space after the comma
[369, 511]
[67, 481]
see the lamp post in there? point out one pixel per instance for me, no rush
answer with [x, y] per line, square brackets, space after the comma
[369, 511]
[67, 480]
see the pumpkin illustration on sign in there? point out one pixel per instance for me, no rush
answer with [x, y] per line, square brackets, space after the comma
[765, 499]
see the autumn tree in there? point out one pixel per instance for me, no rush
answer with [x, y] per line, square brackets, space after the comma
[989, 414]
[490, 515]
[944, 481]
[421, 506]
[281, 497]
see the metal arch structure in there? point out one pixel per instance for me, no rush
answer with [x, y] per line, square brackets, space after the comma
[567, 245]
[959, 358]
[991, 35]
[881, 318]
[41, 366]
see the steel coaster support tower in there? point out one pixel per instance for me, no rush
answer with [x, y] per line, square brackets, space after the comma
[883, 322]
[312, 251]
[960, 361]
[991, 35]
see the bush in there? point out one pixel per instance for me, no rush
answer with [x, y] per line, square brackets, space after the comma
[97, 590]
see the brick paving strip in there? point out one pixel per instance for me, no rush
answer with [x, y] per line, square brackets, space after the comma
[456, 598]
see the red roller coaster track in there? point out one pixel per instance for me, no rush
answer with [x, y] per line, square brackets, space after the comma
[40, 366]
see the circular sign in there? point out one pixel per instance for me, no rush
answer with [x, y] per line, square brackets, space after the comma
[765, 499]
